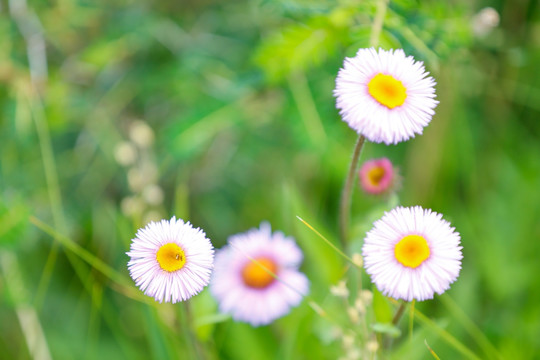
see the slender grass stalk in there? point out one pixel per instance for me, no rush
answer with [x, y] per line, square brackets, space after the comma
[30, 325]
[32, 32]
[345, 256]
[119, 283]
[53, 188]
[431, 350]
[446, 336]
[306, 106]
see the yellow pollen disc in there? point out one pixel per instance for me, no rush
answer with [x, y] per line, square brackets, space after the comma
[375, 175]
[171, 257]
[387, 90]
[412, 250]
[255, 276]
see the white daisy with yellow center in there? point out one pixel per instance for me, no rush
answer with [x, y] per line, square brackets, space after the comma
[256, 278]
[170, 260]
[385, 96]
[412, 253]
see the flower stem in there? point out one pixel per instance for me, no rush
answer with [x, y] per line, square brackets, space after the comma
[399, 312]
[411, 319]
[345, 203]
[387, 342]
[188, 327]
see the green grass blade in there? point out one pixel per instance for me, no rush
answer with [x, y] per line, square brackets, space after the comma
[446, 336]
[123, 284]
[481, 339]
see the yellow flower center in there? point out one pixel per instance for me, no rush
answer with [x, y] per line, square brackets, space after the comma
[387, 90]
[375, 175]
[171, 257]
[255, 276]
[411, 251]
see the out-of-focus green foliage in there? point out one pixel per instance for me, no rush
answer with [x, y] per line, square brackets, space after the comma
[222, 113]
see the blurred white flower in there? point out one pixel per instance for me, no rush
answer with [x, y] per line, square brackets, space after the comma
[125, 153]
[340, 290]
[357, 259]
[152, 215]
[132, 205]
[140, 176]
[242, 283]
[354, 314]
[152, 194]
[485, 21]
[136, 179]
[360, 305]
[348, 340]
[141, 134]
[372, 346]
[366, 296]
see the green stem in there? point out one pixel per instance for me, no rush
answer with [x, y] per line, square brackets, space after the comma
[345, 203]
[191, 336]
[388, 343]
[399, 313]
[411, 319]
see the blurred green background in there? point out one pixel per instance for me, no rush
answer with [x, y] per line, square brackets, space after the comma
[115, 113]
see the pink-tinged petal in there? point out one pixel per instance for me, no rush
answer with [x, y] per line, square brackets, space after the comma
[179, 285]
[433, 275]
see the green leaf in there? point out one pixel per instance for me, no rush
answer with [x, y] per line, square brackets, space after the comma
[381, 307]
[204, 308]
[300, 46]
[386, 328]
[13, 223]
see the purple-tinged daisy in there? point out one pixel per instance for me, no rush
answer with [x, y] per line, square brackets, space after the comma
[412, 253]
[170, 260]
[385, 96]
[377, 176]
[256, 277]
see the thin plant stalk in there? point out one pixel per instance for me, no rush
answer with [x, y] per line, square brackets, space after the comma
[399, 313]
[188, 326]
[411, 319]
[345, 203]
[395, 321]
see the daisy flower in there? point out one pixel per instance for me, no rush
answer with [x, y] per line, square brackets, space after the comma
[377, 176]
[170, 260]
[412, 253]
[385, 96]
[243, 281]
